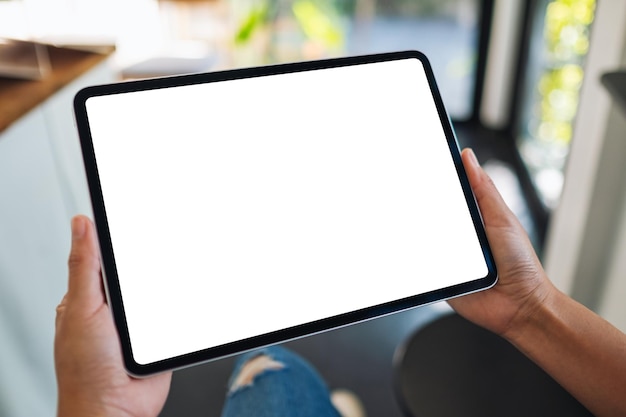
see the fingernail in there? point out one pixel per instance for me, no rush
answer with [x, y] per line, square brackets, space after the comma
[473, 158]
[78, 228]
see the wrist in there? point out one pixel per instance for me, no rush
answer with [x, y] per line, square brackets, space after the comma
[75, 406]
[535, 312]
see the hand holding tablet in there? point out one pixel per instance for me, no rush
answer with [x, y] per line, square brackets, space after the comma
[227, 204]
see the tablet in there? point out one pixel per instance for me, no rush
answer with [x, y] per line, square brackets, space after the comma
[242, 208]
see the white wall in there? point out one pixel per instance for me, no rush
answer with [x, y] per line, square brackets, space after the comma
[41, 187]
[34, 243]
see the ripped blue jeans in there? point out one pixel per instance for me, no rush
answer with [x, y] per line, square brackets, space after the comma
[276, 382]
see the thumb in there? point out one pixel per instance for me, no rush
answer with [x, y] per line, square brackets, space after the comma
[494, 210]
[84, 265]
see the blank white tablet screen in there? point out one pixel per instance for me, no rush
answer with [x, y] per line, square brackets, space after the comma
[242, 207]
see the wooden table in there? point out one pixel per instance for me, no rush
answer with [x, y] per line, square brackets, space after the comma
[18, 97]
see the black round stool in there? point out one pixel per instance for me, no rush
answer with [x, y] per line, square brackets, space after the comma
[453, 368]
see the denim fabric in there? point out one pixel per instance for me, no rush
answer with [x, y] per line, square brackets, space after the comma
[295, 390]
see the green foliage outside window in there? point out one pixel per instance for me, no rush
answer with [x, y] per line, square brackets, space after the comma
[292, 30]
[549, 129]
[567, 40]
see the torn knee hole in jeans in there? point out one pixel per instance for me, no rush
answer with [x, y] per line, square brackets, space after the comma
[253, 368]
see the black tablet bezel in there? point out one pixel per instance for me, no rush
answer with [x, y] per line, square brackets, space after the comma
[108, 258]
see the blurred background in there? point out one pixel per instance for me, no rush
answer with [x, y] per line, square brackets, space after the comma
[521, 81]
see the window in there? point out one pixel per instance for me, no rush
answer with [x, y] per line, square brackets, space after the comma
[558, 44]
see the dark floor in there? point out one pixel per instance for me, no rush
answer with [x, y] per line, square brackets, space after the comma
[357, 357]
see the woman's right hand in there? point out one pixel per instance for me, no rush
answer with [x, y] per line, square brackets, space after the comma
[522, 283]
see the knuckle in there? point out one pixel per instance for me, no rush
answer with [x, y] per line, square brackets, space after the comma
[79, 259]
[75, 259]
[60, 313]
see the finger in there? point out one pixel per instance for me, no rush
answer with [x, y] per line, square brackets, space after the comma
[494, 210]
[84, 264]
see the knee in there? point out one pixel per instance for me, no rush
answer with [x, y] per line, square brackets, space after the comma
[252, 368]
